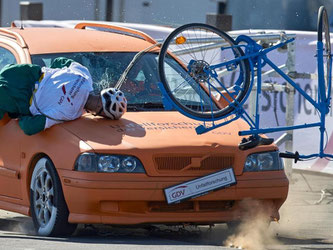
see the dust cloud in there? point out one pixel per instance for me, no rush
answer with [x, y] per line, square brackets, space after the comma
[252, 232]
[24, 227]
[20, 224]
[305, 217]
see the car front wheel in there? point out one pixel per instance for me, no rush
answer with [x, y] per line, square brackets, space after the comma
[48, 207]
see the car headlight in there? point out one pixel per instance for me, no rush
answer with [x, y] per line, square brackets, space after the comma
[267, 161]
[108, 163]
[90, 162]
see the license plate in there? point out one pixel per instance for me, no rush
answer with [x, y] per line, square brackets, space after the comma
[200, 186]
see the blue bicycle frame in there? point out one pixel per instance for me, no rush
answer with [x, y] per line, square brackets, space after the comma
[257, 58]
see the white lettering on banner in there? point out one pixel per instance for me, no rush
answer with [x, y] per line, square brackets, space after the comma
[200, 186]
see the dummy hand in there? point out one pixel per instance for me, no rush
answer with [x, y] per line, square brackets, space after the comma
[32, 124]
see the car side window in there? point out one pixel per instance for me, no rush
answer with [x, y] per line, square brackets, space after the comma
[6, 57]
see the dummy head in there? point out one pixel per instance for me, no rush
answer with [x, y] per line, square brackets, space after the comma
[110, 103]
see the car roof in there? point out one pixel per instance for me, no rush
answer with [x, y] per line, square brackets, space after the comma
[62, 40]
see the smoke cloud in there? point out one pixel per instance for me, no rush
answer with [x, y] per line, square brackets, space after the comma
[252, 232]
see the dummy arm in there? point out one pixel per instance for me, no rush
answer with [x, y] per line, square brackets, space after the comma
[32, 124]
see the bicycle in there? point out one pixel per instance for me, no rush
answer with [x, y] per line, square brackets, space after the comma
[224, 69]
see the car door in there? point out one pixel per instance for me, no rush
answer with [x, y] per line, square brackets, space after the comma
[10, 186]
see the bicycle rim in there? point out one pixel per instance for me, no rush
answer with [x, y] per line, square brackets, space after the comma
[326, 67]
[203, 89]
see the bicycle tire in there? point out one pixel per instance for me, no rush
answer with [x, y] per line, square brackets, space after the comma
[324, 65]
[193, 37]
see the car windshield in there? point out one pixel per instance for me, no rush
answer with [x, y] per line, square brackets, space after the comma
[141, 86]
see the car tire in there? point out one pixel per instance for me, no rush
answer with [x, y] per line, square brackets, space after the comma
[233, 225]
[47, 203]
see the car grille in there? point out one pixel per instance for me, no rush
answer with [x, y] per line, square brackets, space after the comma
[191, 163]
[191, 206]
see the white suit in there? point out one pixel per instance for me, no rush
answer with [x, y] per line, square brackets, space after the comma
[62, 93]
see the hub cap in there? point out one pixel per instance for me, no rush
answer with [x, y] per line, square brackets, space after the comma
[43, 197]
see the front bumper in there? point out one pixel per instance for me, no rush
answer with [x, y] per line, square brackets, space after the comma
[138, 198]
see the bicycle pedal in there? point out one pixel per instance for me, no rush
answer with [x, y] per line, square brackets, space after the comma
[265, 141]
[253, 141]
[248, 143]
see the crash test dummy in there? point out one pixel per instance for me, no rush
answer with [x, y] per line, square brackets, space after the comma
[42, 97]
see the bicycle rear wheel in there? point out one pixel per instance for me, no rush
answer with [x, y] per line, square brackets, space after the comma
[201, 74]
[324, 61]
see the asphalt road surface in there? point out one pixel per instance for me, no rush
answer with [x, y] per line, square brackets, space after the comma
[306, 223]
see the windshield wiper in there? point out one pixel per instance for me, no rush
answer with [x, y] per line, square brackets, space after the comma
[145, 106]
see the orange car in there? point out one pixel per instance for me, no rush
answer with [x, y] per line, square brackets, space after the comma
[95, 170]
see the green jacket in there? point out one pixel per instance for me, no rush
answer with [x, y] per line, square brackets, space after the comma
[17, 82]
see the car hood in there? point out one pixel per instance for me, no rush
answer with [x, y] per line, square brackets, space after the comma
[152, 135]
[150, 130]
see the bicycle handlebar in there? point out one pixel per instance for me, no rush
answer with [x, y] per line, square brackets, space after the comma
[290, 155]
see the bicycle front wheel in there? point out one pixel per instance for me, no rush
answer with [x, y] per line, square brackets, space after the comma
[201, 73]
[324, 56]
